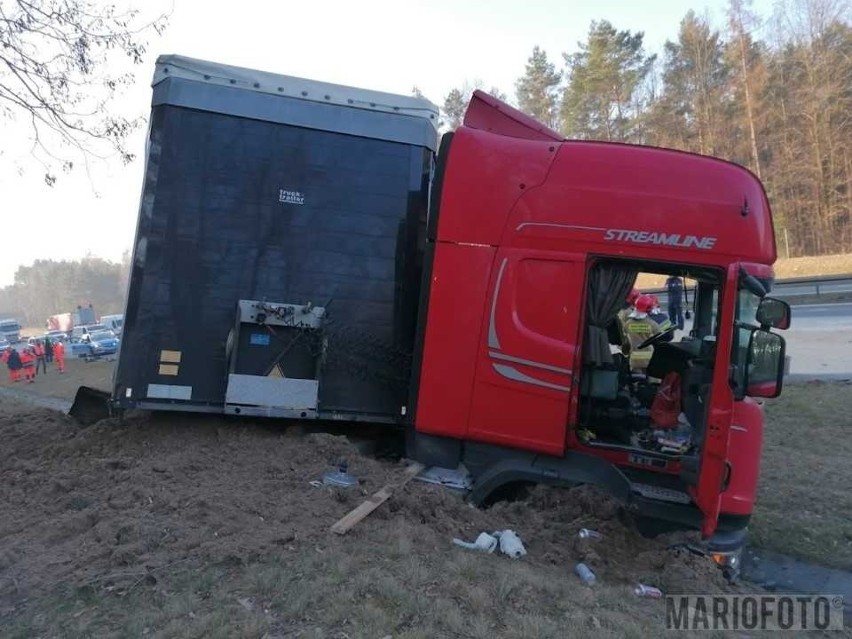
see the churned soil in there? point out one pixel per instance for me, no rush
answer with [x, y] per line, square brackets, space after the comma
[176, 525]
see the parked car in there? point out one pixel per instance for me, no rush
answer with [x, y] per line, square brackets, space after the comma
[78, 350]
[56, 336]
[4, 344]
[79, 332]
[101, 343]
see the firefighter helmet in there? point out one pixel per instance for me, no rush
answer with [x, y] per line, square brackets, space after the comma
[644, 304]
[633, 295]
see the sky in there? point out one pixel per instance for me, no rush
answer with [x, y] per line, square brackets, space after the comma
[387, 45]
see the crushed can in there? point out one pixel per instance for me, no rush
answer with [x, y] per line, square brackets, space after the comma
[649, 592]
[587, 533]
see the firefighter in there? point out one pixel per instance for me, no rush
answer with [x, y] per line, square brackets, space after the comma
[38, 352]
[28, 364]
[59, 354]
[639, 327]
[14, 364]
[629, 301]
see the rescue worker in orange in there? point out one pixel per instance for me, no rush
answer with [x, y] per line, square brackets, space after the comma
[28, 363]
[638, 328]
[38, 351]
[59, 355]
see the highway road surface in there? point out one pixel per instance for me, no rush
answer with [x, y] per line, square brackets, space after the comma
[822, 317]
[819, 340]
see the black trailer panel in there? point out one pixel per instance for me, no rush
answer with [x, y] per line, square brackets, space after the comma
[242, 208]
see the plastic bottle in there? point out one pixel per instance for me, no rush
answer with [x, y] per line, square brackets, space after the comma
[586, 533]
[585, 573]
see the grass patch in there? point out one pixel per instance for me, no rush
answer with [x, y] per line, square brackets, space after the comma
[804, 502]
[97, 374]
[452, 594]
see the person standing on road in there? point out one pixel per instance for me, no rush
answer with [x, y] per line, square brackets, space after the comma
[13, 363]
[59, 353]
[674, 289]
[48, 350]
[38, 351]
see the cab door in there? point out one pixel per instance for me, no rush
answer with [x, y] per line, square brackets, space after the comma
[528, 349]
[713, 466]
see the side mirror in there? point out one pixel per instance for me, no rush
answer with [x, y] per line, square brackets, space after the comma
[764, 372]
[774, 313]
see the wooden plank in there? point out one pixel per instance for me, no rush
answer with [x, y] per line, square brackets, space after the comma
[342, 526]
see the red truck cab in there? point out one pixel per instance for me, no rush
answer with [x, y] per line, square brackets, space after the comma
[533, 244]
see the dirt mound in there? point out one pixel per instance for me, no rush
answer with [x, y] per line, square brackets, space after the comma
[103, 504]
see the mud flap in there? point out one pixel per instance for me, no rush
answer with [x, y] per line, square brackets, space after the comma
[90, 405]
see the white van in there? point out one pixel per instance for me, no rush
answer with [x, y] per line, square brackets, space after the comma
[78, 332]
[113, 323]
[11, 330]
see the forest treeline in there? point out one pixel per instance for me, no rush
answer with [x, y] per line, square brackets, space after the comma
[772, 93]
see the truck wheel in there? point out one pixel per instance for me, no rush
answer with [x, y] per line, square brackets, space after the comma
[511, 492]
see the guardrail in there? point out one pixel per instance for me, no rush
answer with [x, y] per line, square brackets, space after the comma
[789, 287]
[813, 285]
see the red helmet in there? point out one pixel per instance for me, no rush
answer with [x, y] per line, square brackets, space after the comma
[633, 295]
[644, 303]
[655, 300]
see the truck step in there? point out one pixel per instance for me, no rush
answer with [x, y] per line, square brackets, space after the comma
[660, 493]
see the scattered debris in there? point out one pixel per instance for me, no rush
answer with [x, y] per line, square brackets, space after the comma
[586, 533]
[510, 544]
[340, 477]
[585, 573]
[485, 543]
[348, 521]
[650, 592]
[455, 478]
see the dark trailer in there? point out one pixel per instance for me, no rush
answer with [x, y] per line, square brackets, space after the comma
[279, 247]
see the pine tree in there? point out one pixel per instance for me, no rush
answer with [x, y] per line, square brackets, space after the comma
[537, 89]
[601, 100]
[695, 100]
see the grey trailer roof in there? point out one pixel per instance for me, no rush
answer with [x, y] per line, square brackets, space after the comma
[260, 95]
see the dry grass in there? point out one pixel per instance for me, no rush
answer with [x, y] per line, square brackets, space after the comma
[374, 587]
[804, 501]
[813, 266]
[79, 373]
[794, 267]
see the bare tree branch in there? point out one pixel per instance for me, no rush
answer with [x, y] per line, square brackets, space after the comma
[58, 62]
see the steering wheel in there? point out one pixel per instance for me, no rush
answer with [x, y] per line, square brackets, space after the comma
[652, 341]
